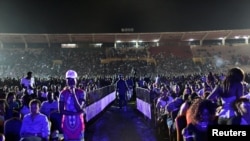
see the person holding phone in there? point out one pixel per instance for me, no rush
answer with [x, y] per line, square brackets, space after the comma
[71, 106]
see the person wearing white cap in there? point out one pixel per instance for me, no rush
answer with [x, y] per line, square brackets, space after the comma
[71, 106]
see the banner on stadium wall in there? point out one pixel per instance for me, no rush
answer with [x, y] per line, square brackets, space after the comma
[199, 60]
[57, 62]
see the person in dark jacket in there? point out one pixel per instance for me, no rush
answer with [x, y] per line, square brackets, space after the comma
[121, 90]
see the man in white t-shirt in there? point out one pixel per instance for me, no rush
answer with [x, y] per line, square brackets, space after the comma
[28, 83]
[50, 105]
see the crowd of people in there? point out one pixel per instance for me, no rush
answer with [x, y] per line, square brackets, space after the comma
[32, 83]
[52, 113]
[51, 62]
[188, 105]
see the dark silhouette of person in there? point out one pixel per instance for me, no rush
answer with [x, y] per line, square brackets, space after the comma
[13, 134]
[121, 90]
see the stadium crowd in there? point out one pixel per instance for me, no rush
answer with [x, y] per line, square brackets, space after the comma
[175, 83]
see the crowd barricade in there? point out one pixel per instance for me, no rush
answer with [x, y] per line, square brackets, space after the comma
[97, 100]
[146, 104]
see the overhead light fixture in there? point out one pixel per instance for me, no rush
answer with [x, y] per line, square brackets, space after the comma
[69, 45]
[245, 37]
[236, 37]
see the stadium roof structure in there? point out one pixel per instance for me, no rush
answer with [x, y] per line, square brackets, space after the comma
[124, 37]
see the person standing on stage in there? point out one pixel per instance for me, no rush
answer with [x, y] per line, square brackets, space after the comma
[71, 106]
[121, 90]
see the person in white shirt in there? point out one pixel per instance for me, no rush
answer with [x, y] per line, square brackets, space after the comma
[35, 124]
[44, 92]
[50, 105]
[28, 83]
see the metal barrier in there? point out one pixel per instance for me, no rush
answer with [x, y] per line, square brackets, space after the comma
[146, 104]
[98, 100]
[98, 94]
[143, 94]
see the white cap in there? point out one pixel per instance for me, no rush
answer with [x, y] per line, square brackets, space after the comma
[45, 87]
[71, 74]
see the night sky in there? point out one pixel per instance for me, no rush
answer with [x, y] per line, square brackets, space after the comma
[109, 16]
